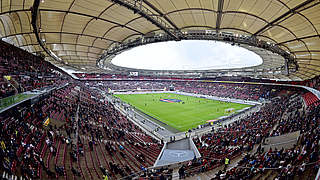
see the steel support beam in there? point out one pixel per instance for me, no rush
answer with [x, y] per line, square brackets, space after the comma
[137, 7]
[310, 69]
[219, 15]
[306, 64]
[58, 32]
[34, 21]
[161, 14]
[298, 39]
[91, 16]
[291, 11]
[84, 45]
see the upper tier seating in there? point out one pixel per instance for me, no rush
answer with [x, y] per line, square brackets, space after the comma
[26, 71]
[227, 90]
[310, 99]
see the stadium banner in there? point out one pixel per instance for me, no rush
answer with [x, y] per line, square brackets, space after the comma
[134, 73]
[171, 100]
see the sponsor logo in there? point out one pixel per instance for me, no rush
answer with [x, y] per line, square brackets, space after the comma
[178, 154]
[170, 100]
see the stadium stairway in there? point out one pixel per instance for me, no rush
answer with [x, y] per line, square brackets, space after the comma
[210, 174]
[175, 174]
[90, 168]
[269, 175]
[95, 164]
[129, 152]
[106, 159]
[11, 177]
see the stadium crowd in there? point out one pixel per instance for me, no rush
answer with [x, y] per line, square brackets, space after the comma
[71, 147]
[21, 71]
[232, 140]
[69, 133]
[302, 160]
[68, 146]
[247, 136]
[226, 90]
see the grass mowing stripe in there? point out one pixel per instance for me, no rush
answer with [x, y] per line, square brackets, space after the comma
[189, 113]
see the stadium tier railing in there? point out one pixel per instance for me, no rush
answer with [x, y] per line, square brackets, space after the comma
[12, 100]
[318, 175]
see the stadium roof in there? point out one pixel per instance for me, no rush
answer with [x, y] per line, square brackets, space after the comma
[78, 32]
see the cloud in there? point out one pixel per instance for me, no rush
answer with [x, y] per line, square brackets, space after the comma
[187, 55]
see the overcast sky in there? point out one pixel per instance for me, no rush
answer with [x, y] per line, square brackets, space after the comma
[187, 55]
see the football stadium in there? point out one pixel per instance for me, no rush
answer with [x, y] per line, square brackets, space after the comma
[160, 90]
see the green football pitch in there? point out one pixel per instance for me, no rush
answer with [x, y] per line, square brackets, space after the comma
[184, 115]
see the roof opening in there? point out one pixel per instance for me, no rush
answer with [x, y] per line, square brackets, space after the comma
[188, 55]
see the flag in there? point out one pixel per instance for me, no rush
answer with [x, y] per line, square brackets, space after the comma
[46, 121]
[3, 145]
[7, 77]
